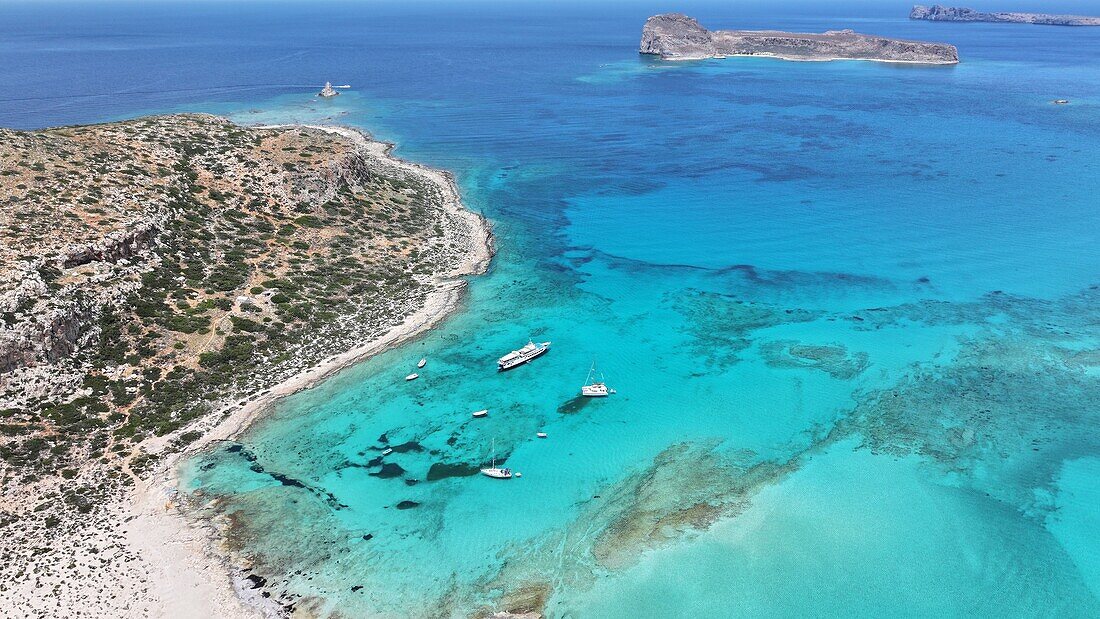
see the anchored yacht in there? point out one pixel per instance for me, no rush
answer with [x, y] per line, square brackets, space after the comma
[523, 355]
[595, 388]
[493, 471]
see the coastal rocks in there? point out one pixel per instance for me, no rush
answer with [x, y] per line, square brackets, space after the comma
[958, 14]
[675, 36]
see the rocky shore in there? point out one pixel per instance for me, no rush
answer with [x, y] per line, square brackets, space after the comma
[945, 13]
[674, 36]
[185, 273]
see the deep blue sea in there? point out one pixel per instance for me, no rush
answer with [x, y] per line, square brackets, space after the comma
[850, 309]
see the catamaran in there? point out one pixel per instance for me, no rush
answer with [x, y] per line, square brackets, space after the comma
[493, 471]
[595, 388]
[523, 355]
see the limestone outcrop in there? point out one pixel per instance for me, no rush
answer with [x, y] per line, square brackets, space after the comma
[947, 13]
[674, 36]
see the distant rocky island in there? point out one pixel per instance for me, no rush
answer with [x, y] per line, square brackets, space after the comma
[674, 36]
[946, 13]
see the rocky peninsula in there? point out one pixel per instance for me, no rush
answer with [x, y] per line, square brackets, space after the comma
[945, 13]
[674, 36]
[161, 281]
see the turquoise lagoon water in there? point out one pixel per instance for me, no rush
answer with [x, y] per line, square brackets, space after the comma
[849, 309]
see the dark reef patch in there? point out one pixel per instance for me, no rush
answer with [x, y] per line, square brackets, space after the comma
[288, 481]
[573, 405]
[389, 471]
[407, 447]
[407, 505]
[443, 470]
[831, 358]
[720, 324]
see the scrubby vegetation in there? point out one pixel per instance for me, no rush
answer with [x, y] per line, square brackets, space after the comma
[158, 270]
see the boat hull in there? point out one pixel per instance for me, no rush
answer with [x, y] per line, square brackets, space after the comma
[509, 365]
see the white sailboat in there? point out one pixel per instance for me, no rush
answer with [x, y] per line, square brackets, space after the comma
[595, 388]
[412, 376]
[421, 363]
[493, 471]
[481, 413]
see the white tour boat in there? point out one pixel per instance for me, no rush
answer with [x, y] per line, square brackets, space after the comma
[523, 355]
[540, 434]
[493, 471]
[595, 388]
[413, 376]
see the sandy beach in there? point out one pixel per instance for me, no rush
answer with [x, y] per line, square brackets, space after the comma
[173, 566]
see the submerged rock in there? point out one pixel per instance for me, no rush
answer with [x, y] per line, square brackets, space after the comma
[443, 470]
[573, 405]
[389, 470]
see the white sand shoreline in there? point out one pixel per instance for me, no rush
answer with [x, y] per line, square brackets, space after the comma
[181, 554]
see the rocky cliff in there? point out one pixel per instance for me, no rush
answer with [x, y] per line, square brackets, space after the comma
[945, 13]
[674, 36]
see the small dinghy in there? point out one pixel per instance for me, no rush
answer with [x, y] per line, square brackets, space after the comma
[412, 377]
[481, 413]
[387, 452]
[495, 472]
[541, 434]
[421, 363]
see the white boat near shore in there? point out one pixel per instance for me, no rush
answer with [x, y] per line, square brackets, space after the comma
[421, 363]
[481, 413]
[412, 376]
[530, 351]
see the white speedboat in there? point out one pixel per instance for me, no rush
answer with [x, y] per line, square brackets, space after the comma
[387, 452]
[481, 413]
[595, 388]
[494, 471]
[540, 434]
[523, 355]
[412, 376]
[421, 363]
